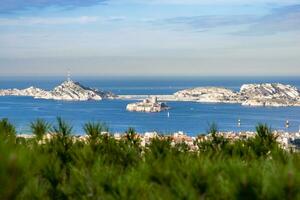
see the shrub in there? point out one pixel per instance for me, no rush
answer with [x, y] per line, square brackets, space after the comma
[264, 142]
[132, 137]
[95, 132]
[7, 130]
[40, 128]
[62, 168]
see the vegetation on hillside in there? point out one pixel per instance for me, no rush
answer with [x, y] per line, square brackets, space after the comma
[102, 167]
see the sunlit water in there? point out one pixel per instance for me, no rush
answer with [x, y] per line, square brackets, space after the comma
[189, 117]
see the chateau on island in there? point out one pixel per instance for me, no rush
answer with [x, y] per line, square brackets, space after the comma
[147, 105]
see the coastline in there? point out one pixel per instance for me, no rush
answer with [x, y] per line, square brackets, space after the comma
[285, 139]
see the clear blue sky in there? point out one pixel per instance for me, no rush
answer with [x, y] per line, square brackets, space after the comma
[150, 37]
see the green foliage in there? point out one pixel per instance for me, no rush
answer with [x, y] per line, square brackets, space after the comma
[212, 129]
[132, 137]
[14, 164]
[94, 129]
[217, 142]
[95, 132]
[159, 148]
[40, 128]
[62, 141]
[102, 167]
[60, 148]
[264, 142]
[62, 129]
[7, 130]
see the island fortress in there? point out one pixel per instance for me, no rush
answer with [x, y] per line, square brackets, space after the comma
[266, 94]
[147, 105]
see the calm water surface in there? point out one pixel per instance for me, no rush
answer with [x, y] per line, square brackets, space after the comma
[189, 117]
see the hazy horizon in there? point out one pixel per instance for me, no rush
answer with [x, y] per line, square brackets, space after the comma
[150, 38]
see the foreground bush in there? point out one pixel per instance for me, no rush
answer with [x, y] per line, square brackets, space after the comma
[40, 128]
[105, 168]
[7, 130]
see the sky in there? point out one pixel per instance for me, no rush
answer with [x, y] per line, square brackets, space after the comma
[150, 37]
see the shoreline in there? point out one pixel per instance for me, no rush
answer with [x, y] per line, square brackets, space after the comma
[285, 139]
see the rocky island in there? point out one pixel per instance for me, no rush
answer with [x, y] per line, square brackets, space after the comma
[208, 95]
[267, 94]
[147, 105]
[67, 91]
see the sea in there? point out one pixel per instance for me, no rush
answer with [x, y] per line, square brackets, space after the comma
[189, 117]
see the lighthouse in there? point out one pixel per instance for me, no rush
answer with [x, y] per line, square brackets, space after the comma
[68, 76]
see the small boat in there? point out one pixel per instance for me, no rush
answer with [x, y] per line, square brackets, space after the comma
[287, 124]
[239, 122]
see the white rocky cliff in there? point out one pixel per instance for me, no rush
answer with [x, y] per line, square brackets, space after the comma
[31, 91]
[267, 94]
[70, 90]
[208, 94]
[147, 105]
[67, 91]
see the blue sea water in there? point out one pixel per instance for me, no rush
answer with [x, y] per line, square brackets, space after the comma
[192, 118]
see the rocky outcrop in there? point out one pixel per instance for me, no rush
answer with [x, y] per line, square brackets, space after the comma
[31, 91]
[147, 105]
[208, 94]
[268, 94]
[70, 90]
[67, 91]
